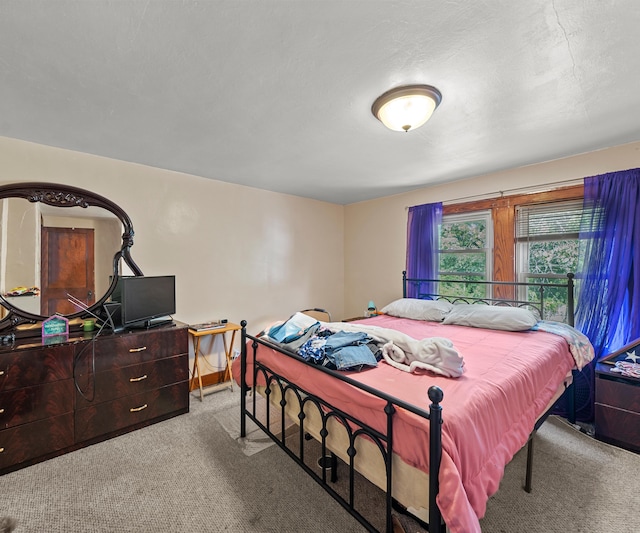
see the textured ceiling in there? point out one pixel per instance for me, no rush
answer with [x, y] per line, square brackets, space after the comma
[277, 94]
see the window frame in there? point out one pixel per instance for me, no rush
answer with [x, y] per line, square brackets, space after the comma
[503, 217]
[484, 214]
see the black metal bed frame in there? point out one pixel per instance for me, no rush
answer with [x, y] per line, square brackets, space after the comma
[356, 428]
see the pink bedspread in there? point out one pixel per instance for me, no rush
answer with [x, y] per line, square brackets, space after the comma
[488, 412]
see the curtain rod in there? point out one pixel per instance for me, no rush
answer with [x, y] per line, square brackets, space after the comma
[500, 194]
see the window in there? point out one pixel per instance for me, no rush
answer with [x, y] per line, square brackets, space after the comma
[528, 237]
[547, 247]
[465, 252]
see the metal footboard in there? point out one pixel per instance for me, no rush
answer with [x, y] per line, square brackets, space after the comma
[288, 396]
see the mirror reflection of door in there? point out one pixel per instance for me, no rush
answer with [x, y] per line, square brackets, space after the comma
[67, 269]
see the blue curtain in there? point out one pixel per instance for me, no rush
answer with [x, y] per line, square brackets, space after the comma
[423, 232]
[608, 311]
[608, 308]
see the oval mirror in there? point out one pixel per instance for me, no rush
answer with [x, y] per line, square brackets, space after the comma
[61, 250]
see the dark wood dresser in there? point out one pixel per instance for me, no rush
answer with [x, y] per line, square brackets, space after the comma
[60, 397]
[617, 408]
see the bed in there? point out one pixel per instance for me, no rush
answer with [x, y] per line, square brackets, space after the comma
[435, 444]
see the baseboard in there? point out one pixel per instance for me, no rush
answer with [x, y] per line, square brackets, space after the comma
[209, 379]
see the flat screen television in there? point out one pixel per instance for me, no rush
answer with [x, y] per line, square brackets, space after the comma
[145, 301]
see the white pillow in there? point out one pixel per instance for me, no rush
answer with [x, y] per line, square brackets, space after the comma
[434, 310]
[491, 317]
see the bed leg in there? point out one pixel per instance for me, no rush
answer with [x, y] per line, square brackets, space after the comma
[334, 468]
[529, 474]
[328, 462]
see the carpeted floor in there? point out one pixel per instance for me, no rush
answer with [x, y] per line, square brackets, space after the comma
[580, 485]
[188, 474]
[255, 440]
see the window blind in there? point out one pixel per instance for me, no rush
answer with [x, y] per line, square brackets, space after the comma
[545, 222]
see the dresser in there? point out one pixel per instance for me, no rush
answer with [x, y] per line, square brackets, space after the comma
[617, 408]
[56, 398]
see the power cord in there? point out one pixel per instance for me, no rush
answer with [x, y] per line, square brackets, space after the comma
[92, 381]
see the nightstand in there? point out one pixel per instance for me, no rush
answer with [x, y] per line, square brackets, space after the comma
[617, 405]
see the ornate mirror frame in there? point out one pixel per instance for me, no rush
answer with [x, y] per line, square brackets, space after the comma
[57, 195]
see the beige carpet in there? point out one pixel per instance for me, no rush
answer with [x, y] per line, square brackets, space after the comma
[580, 485]
[255, 440]
[577, 484]
[187, 475]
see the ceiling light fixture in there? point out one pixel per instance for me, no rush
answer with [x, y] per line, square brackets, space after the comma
[406, 108]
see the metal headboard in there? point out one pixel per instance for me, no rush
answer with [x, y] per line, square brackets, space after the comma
[500, 293]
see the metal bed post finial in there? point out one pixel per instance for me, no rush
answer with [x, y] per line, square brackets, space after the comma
[404, 283]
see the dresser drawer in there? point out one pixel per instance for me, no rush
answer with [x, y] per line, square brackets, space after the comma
[20, 406]
[24, 368]
[28, 441]
[121, 413]
[618, 393]
[618, 426]
[133, 379]
[132, 348]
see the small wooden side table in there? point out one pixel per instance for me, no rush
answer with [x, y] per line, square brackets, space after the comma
[197, 336]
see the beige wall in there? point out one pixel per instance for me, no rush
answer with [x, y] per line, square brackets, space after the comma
[20, 218]
[23, 268]
[375, 231]
[243, 253]
[237, 252]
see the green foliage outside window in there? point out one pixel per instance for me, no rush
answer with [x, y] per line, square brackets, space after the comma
[548, 248]
[549, 262]
[463, 256]
[466, 235]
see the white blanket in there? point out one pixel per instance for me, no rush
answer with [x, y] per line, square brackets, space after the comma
[401, 351]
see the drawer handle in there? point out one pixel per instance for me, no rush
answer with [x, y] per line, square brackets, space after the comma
[1, 410]
[136, 409]
[1, 372]
[132, 350]
[1, 450]
[132, 380]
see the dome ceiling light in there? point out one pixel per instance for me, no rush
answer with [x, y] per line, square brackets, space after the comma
[406, 108]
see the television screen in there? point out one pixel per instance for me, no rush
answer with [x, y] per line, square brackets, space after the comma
[144, 298]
